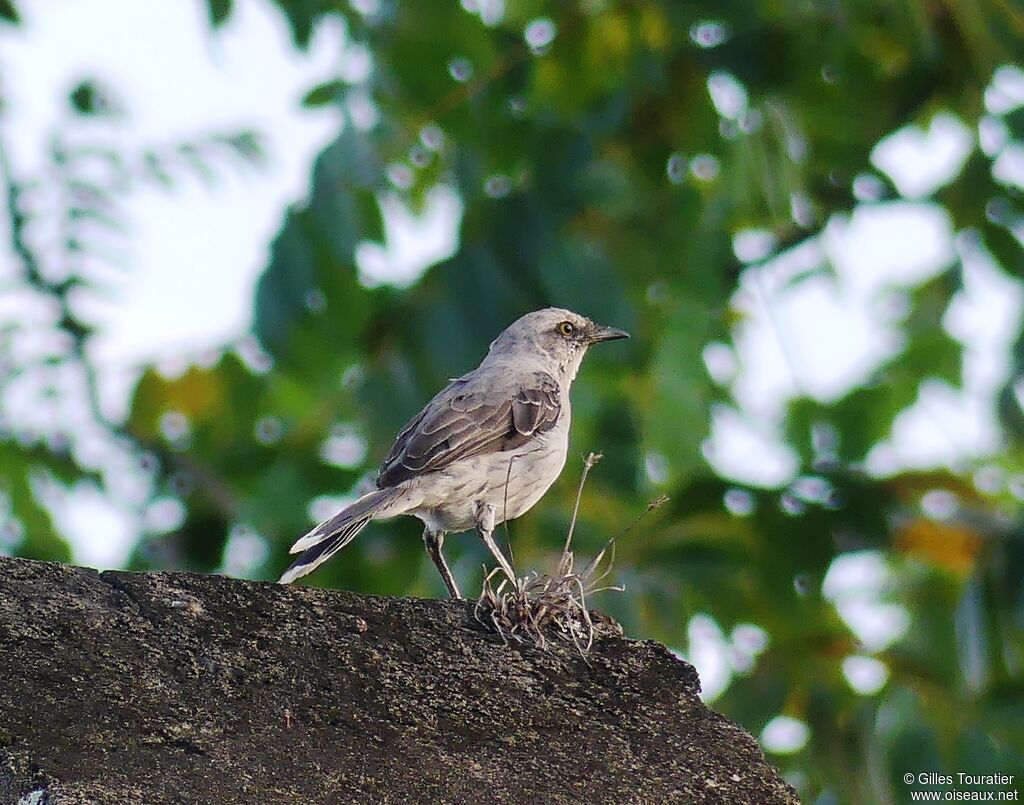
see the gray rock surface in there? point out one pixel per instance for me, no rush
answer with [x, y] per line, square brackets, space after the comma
[179, 688]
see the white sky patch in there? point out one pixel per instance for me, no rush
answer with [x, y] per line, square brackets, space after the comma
[1009, 165]
[719, 658]
[942, 428]
[823, 333]
[920, 162]
[836, 347]
[993, 135]
[194, 253]
[879, 246]
[856, 584]
[244, 552]
[179, 82]
[491, 12]
[720, 361]
[344, 447]
[164, 514]
[799, 334]
[709, 654]
[986, 317]
[324, 507]
[946, 425]
[1006, 92]
[728, 95]
[413, 242]
[866, 675]
[785, 735]
[751, 245]
[767, 376]
[101, 534]
[748, 642]
[747, 450]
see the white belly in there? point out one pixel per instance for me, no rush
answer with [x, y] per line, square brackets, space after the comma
[452, 497]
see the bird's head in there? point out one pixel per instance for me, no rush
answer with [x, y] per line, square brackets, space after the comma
[558, 337]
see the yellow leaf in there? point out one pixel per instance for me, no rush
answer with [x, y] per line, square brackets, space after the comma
[949, 546]
[653, 27]
[608, 43]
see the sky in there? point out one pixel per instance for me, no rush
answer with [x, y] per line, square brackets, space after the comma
[184, 298]
[178, 81]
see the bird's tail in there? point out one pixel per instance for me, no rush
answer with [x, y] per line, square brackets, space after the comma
[332, 535]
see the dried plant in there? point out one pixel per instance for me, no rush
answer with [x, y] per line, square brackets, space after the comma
[534, 607]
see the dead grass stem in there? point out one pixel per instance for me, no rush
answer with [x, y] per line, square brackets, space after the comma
[533, 608]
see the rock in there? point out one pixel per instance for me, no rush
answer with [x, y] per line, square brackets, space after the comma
[180, 688]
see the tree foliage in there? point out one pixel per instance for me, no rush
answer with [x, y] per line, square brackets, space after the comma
[595, 173]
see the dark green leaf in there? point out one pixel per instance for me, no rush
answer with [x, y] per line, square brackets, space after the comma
[219, 11]
[91, 99]
[323, 94]
[9, 12]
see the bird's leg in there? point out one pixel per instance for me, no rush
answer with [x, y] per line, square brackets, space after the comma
[434, 540]
[485, 526]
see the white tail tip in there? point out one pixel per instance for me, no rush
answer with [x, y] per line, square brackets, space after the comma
[308, 541]
[291, 574]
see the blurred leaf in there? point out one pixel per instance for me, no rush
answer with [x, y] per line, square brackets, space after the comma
[1005, 248]
[196, 159]
[1015, 122]
[948, 546]
[18, 469]
[930, 350]
[323, 94]
[9, 12]
[248, 145]
[219, 11]
[679, 383]
[302, 15]
[91, 99]
[155, 169]
[315, 251]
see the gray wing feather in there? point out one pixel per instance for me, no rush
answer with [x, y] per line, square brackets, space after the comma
[460, 423]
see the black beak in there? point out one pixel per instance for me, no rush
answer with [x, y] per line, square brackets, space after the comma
[601, 333]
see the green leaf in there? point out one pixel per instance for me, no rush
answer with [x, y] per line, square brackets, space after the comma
[1005, 248]
[315, 253]
[302, 15]
[90, 99]
[248, 145]
[154, 167]
[930, 350]
[329, 92]
[19, 467]
[1015, 122]
[9, 12]
[219, 11]
[679, 383]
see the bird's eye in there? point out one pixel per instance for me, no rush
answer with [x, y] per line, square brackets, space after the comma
[566, 328]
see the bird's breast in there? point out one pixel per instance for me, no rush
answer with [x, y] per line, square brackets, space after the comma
[511, 481]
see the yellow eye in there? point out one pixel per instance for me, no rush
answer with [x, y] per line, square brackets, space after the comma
[566, 328]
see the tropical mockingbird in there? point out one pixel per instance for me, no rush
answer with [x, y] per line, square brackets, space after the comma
[484, 450]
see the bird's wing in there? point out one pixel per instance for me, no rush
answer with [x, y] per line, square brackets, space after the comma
[461, 423]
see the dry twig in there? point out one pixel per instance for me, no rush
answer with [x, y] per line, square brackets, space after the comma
[533, 607]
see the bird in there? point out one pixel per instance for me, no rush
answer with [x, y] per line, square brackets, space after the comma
[484, 450]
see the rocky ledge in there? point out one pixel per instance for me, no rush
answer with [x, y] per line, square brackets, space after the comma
[181, 688]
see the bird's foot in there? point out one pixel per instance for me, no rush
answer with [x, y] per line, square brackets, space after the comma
[485, 527]
[434, 541]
